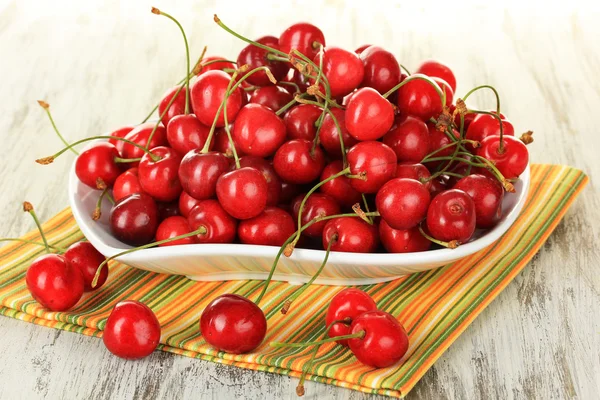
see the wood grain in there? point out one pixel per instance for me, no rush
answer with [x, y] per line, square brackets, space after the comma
[104, 64]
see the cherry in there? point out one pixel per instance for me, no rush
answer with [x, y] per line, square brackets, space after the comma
[127, 183]
[98, 162]
[272, 227]
[402, 240]
[437, 186]
[273, 97]
[317, 205]
[445, 86]
[166, 210]
[255, 57]
[174, 226]
[376, 160]
[487, 193]
[258, 131]
[300, 121]
[208, 91]
[362, 48]
[303, 37]
[177, 107]
[382, 71]
[340, 188]
[265, 168]
[134, 219]
[329, 136]
[419, 98]
[438, 70]
[85, 257]
[467, 119]
[132, 331]
[233, 324]
[219, 66]
[186, 203]
[415, 171]
[199, 172]
[508, 154]
[347, 305]
[353, 235]
[296, 161]
[288, 192]
[484, 125]
[160, 178]
[403, 202]
[220, 226]
[368, 115]
[451, 216]
[437, 140]
[140, 135]
[409, 138]
[54, 282]
[121, 132]
[243, 192]
[186, 133]
[383, 342]
[221, 144]
[343, 70]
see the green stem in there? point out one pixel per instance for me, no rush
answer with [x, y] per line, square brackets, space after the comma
[252, 42]
[427, 79]
[357, 335]
[288, 105]
[451, 244]
[31, 211]
[497, 116]
[291, 84]
[405, 70]
[227, 130]
[59, 249]
[493, 89]
[47, 109]
[120, 160]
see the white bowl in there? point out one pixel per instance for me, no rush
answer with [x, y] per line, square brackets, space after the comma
[220, 262]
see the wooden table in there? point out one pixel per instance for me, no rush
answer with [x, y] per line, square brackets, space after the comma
[105, 65]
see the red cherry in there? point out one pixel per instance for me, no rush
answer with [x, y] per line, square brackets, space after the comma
[127, 183]
[160, 178]
[233, 324]
[256, 57]
[174, 226]
[382, 71]
[221, 65]
[54, 282]
[199, 172]
[402, 240]
[98, 162]
[273, 97]
[329, 137]
[484, 125]
[436, 69]
[243, 192]
[140, 135]
[368, 115]
[353, 235]
[85, 257]
[258, 131]
[487, 193]
[166, 210]
[376, 160]
[403, 202]
[445, 86]
[420, 99]
[318, 204]
[343, 70]
[296, 77]
[362, 48]
[409, 138]
[415, 171]
[340, 188]
[221, 144]
[437, 140]
[177, 108]
[347, 305]
[437, 186]
[303, 37]
[186, 133]
[265, 168]
[511, 160]
[132, 330]
[451, 216]
[296, 162]
[272, 227]
[220, 226]
[300, 121]
[207, 93]
[121, 132]
[133, 219]
[288, 192]
[468, 118]
[385, 341]
[186, 203]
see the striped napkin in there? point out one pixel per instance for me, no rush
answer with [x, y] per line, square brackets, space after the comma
[435, 306]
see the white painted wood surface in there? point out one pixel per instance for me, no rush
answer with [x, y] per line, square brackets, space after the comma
[105, 64]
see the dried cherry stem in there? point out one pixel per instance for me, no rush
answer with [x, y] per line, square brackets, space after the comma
[227, 130]
[288, 303]
[28, 208]
[497, 116]
[252, 42]
[46, 108]
[365, 216]
[320, 77]
[364, 198]
[440, 92]
[493, 89]
[453, 244]
[357, 335]
[59, 249]
[526, 137]
[314, 91]
[98, 210]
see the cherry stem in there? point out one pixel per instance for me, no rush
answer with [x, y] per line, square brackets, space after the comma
[98, 210]
[290, 104]
[59, 249]
[364, 198]
[456, 143]
[320, 76]
[497, 116]
[490, 166]
[200, 231]
[453, 244]
[317, 138]
[28, 207]
[227, 130]
[120, 160]
[493, 89]
[441, 93]
[405, 70]
[187, 56]
[237, 35]
[287, 304]
[291, 84]
[358, 335]
[46, 108]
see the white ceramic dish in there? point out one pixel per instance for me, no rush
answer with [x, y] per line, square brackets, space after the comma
[218, 262]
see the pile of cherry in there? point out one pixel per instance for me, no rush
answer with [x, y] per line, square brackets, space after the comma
[296, 143]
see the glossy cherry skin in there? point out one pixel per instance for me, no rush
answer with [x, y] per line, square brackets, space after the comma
[413, 171]
[219, 66]
[362, 48]
[273, 97]
[132, 330]
[402, 240]
[437, 140]
[385, 341]
[340, 188]
[438, 186]
[382, 71]
[403, 202]
[160, 179]
[199, 172]
[409, 138]
[437, 69]
[140, 135]
[186, 203]
[220, 226]
[296, 77]
[451, 216]
[318, 204]
[368, 115]
[487, 193]
[85, 257]
[177, 108]
[302, 37]
[265, 168]
[258, 131]
[186, 133]
[272, 227]
[121, 132]
[353, 235]
[207, 92]
[347, 304]
[375, 159]
[221, 144]
[511, 161]
[243, 192]
[484, 125]
[420, 99]
[134, 219]
[343, 69]
[256, 57]
[54, 282]
[445, 86]
[329, 137]
[174, 226]
[295, 162]
[300, 121]
[98, 162]
[127, 183]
